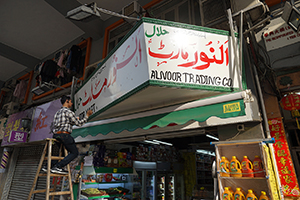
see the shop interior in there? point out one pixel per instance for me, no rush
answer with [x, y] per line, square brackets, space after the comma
[170, 166]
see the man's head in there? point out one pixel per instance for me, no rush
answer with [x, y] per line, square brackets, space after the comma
[66, 101]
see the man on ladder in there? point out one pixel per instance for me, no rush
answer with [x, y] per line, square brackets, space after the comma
[63, 121]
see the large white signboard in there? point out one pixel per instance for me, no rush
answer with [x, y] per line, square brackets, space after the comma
[161, 53]
[123, 71]
[184, 56]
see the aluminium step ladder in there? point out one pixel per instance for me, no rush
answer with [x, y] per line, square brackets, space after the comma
[51, 191]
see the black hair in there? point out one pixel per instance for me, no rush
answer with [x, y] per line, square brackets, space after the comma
[64, 98]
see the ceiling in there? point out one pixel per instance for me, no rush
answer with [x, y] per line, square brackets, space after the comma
[34, 30]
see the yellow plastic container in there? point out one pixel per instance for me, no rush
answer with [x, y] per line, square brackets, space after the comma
[263, 196]
[235, 167]
[224, 167]
[239, 194]
[227, 194]
[251, 195]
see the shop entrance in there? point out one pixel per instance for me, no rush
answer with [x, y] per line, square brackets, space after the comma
[165, 167]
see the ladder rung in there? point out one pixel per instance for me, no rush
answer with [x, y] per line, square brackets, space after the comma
[56, 175]
[42, 191]
[55, 158]
[59, 193]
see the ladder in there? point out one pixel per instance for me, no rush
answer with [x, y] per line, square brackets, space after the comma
[51, 191]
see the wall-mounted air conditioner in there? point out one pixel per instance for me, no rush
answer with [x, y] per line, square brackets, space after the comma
[10, 107]
[134, 9]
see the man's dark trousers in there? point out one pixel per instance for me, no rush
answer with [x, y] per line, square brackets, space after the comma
[68, 141]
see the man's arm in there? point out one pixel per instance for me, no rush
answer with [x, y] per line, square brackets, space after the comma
[77, 121]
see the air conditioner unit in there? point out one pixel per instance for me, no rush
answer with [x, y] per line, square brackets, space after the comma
[134, 9]
[10, 107]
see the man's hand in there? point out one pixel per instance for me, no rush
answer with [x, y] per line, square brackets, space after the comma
[89, 113]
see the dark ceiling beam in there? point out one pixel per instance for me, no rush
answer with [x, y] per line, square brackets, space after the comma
[18, 56]
[92, 28]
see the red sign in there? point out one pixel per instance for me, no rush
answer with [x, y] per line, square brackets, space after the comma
[287, 175]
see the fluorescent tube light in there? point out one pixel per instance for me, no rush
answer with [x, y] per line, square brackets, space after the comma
[206, 152]
[212, 137]
[161, 142]
[151, 142]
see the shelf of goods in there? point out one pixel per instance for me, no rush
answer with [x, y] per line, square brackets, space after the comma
[240, 149]
[204, 187]
[108, 183]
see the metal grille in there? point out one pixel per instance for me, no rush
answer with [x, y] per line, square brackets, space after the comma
[25, 170]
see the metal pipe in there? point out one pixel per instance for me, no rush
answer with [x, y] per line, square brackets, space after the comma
[236, 61]
[241, 41]
[267, 140]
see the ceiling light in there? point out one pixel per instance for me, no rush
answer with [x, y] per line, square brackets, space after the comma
[89, 10]
[151, 142]
[161, 142]
[212, 137]
[291, 15]
[206, 152]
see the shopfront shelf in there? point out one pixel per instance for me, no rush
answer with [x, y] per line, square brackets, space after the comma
[106, 196]
[113, 170]
[245, 178]
[112, 182]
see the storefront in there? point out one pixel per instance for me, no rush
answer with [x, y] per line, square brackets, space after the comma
[159, 98]
[158, 102]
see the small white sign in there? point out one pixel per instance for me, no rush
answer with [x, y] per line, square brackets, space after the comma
[279, 34]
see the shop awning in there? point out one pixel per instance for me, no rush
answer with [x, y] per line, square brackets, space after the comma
[220, 107]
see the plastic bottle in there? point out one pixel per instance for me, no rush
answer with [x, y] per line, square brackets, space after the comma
[224, 167]
[263, 196]
[235, 167]
[227, 194]
[258, 167]
[247, 167]
[239, 194]
[251, 195]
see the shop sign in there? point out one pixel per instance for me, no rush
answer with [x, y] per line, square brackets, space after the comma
[161, 53]
[2, 127]
[43, 118]
[17, 136]
[279, 35]
[14, 124]
[287, 175]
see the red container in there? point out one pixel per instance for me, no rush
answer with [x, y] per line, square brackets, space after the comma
[247, 167]
[258, 167]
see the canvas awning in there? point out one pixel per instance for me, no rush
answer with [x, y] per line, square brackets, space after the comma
[223, 107]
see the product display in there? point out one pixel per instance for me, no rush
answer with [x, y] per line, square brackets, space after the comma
[247, 167]
[239, 194]
[258, 167]
[224, 167]
[251, 195]
[227, 194]
[246, 183]
[263, 196]
[235, 167]
[114, 179]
